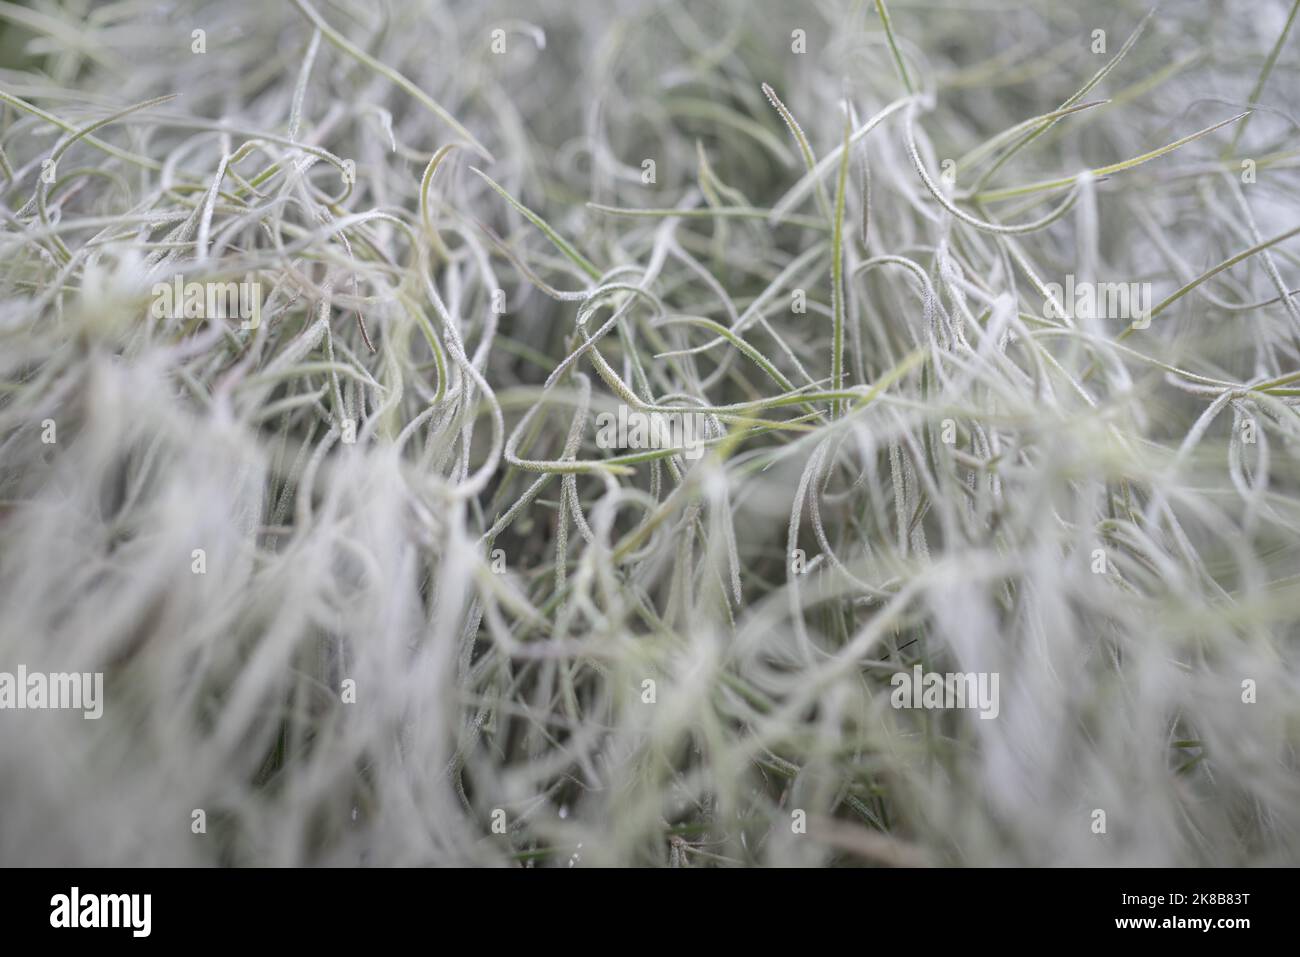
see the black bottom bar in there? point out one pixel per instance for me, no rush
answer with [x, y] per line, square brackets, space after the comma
[336, 907]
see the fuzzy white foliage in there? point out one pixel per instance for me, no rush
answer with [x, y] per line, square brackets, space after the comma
[328, 561]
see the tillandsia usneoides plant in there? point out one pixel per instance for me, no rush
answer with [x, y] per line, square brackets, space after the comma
[659, 433]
